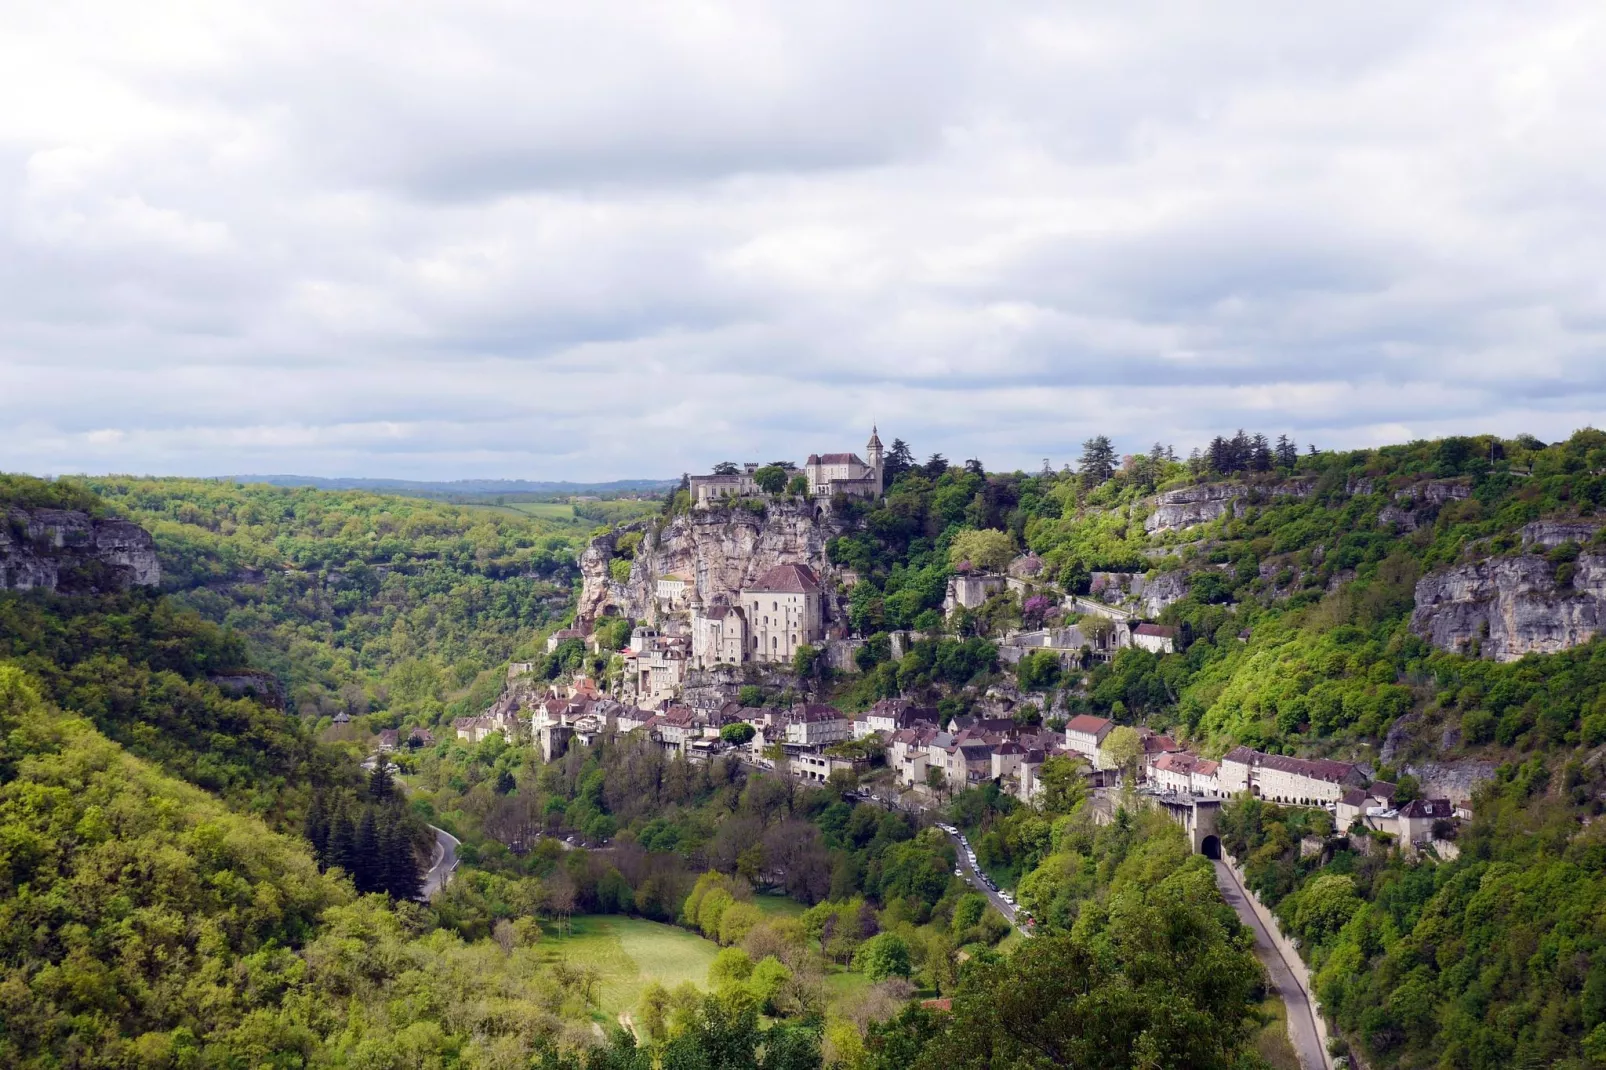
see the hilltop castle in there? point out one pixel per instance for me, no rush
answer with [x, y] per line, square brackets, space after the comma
[828, 475]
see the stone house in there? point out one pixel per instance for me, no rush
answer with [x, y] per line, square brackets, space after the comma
[1205, 779]
[816, 726]
[1085, 734]
[1172, 772]
[1155, 638]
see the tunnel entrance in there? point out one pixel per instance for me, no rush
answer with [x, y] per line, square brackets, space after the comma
[1211, 847]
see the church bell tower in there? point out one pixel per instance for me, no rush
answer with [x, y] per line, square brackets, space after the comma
[872, 457]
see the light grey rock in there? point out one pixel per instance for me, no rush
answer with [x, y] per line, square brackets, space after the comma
[50, 548]
[1549, 534]
[1511, 606]
[720, 551]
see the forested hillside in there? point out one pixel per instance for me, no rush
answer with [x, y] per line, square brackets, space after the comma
[358, 602]
[1294, 583]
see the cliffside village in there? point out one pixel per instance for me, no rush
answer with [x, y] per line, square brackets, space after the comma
[681, 664]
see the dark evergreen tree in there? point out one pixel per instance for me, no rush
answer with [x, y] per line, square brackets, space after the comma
[1260, 458]
[1287, 452]
[505, 782]
[400, 873]
[935, 466]
[342, 842]
[898, 460]
[1219, 456]
[380, 782]
[1239, 449]
[365, 865]
[1098, 461]
[974, 467]
[316, 828]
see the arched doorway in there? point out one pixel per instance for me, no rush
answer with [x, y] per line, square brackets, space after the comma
[1210, 847]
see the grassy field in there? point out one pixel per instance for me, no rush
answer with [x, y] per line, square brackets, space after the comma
[630, 952]
[773, 905]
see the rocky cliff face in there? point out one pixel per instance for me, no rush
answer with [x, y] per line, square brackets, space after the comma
[719, 551]
[1510, 606]
[61, 549]
[1178, 509]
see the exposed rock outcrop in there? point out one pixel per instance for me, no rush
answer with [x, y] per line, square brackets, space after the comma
[1455, 781]
[67, 550]
[1549, 534]
[719, 551]
[1188, 506]
[1506, 607]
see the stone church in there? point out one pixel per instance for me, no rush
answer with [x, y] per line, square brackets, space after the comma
[779, 612]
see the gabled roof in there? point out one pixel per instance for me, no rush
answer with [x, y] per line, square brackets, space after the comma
[1087, 724]
[1240, 755]
[786, 579]
[1162, 630]
[835, 458]
[1434, 808]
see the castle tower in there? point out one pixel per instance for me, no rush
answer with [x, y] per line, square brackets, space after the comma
[872, 456]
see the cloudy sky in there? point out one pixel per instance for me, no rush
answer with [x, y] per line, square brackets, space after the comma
[600, 240]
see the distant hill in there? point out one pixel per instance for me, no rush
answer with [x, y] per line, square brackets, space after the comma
[458, 487]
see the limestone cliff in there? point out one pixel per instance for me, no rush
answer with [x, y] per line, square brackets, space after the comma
[1188, 506]
[1506, 607]
[62, 549]
[717, 550]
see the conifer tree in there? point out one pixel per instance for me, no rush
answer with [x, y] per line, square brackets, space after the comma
[342, 850]
[316, 828]
[380, 781]
[365, 863]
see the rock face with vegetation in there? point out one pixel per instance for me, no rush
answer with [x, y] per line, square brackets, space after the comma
[70, 550]
[1505, 607]
[720, 550]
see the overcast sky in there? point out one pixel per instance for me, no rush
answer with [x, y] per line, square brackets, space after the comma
[598, 240]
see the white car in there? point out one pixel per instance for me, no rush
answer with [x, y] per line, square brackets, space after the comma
[958, 872]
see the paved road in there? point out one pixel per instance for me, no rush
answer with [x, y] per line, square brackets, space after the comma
[973, 876]
[1301, 1018]
[445, 862]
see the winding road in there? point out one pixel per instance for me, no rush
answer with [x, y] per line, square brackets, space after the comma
[440, 871]
[1301, 1016]
[974, 878]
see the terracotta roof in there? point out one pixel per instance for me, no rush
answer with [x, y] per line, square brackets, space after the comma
[787, 579]
[1154, 743]
[1206, 767]
[1088, 724]
[1176, 762]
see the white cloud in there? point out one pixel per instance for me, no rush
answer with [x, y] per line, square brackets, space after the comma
[602, 240]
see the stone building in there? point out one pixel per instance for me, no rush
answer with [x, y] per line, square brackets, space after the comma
[1085, 734]
[828, 475]
[785, 610]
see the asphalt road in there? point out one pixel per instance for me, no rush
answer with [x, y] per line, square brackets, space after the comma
[445, 862]
[1301, 1017]
[973, 876]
